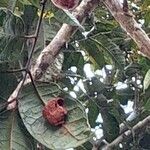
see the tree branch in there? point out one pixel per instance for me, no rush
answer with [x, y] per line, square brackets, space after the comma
[49, 53]
[137, 128]
[129, 24]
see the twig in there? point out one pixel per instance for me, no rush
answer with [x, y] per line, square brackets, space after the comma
[35, 88]
[13, 71]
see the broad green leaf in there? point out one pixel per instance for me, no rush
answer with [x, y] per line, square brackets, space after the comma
[13, 135]
[147, 105]
[147, 18]
[73, 133]
[50, 29]
[110, 125]
[8, 83]
[67, 17]
[30, 18]
[116, 110]
[13, 27]
[111, 49]
[146, 82]
[95, 53]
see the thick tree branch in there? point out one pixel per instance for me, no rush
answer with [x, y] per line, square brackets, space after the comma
[49, 53]
[128, 23]
[137, 128]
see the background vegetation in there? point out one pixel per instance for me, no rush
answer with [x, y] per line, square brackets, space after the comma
[99, 72]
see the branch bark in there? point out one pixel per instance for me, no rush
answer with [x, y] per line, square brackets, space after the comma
[137, 128]
[129, 24]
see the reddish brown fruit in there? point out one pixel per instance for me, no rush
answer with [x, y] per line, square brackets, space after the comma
[66, 4]
[54, 111]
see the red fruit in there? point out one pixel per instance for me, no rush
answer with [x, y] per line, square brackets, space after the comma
[66, 4]
[54, 111]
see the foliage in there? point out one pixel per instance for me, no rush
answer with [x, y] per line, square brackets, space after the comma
[119, 76]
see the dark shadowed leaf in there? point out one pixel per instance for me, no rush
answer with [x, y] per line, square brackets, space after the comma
[8, 83]
[111, 50]
[13, 135]
[92, 113]
[110, 126]
[73, 59]
[13, 27]
[95, 53]
[94, 85]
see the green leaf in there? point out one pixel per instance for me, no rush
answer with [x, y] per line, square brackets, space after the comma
[110, 126]
[13, 27]
[67, 17]
[92, 113]
[4, 3]
[132, 69]
[13, 135]
[111, 49]
[95, 53]
[94, 85]
[147, 105]
[25, 2]
[146, 82]
[125, 92]
[73, 59]
[35, 3]
[144, 64]
[8, 82]
[73, 133]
